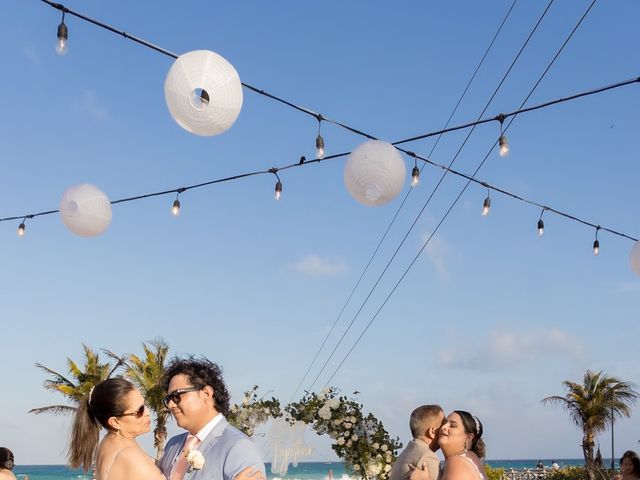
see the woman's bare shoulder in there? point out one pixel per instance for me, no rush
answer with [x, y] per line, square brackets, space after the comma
[138, 464]
[458, 468]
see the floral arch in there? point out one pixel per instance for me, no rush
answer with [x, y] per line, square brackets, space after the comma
[359, 440]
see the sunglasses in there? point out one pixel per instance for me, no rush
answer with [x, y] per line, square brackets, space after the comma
[176, 395]
[138, 413]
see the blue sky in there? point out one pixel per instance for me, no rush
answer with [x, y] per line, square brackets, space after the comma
[491, 318]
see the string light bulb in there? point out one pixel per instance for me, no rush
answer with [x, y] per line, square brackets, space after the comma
[596, 243]
[175, 208]
[319, 141]
[486, 206]
[63, 37]
[278, 188]
[415, 175]
[503, 143]
[541, 224]
[21, 229]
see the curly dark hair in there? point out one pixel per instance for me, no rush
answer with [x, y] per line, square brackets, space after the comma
[6, 458]
[200, 371]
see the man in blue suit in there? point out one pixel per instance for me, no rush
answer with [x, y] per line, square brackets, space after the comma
[210, 449]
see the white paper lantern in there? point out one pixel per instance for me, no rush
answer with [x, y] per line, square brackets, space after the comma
[634, 257]
[85, 210]
[203, 93]
[375, 173]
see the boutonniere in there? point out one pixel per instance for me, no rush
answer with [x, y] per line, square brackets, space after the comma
[195, 459]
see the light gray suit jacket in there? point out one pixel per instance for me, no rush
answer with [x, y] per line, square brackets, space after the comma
[226, 450]
[417, 453]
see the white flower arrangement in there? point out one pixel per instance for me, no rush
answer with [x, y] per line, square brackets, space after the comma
[195, 459]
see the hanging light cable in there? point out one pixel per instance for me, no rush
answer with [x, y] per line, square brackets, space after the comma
[541, 223]
[502, 141]
[319, 140]
[415, 174]
[596, 243]
[63, 37]
[486, 206]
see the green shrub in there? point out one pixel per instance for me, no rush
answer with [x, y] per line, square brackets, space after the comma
[568, 473]
[494, 473]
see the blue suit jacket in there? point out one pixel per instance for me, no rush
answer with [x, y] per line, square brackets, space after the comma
[226, 450]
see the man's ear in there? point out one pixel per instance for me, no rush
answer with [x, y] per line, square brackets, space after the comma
[209, 392]
[431, 432]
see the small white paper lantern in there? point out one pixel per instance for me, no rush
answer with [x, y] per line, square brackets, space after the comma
[203, 93]
[634, 257]
[375, 173]
[85, 210]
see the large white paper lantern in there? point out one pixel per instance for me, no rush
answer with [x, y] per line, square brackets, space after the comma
[203, 93]
[85, 210]
[375, 173]
[634, 257]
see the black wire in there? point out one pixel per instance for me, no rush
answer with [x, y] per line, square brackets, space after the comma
[437, 186]
[384, 235]
[454, 204]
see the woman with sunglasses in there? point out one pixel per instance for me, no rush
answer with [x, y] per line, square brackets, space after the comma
[118, 406]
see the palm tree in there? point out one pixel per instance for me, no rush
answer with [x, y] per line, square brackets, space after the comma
[592, 404]
[146, 374]
[78, 385]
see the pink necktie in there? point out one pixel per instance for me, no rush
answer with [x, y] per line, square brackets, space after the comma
[180, 467]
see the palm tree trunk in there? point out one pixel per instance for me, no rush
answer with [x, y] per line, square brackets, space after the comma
[587, 450]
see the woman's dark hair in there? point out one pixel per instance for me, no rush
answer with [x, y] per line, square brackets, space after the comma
[106, 400]
[200, 372]
[6, 459]
[635, 460]
[473, 426]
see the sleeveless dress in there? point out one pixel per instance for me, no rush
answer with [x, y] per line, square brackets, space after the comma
[111, 464]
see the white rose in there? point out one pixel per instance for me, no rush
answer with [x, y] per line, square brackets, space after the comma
[384, 448]
[349, 443]
[324, 413]
[195, 459]
[340, 441]
[337, 421]
[347, 433]
[353, 419]
[354, 437]
[376, 446]
[356, 467]
[379, 457]
[387, 468]
[347, 425]
[333, 403]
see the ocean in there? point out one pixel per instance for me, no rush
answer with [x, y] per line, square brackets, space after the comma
[304, 470]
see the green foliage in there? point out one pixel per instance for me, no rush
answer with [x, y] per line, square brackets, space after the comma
[494, 473]
[568, 473]
[253, 411]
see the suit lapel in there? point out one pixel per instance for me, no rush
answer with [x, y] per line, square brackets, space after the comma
[206, 445]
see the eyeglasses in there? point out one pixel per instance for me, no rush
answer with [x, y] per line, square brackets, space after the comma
[176, 395]
[138, 413]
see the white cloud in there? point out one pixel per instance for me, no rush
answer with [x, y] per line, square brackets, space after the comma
[504, 349]
[315, 265]
[439, 252]
[90, 104]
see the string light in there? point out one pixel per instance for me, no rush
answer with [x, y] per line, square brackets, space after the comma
[415, 174]
[22, 228]
[541, 224]
[596, 243]
[486, 206]
[278, 188]
[319, 141]
[175, 209]
[63, 37]
[502, 141]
